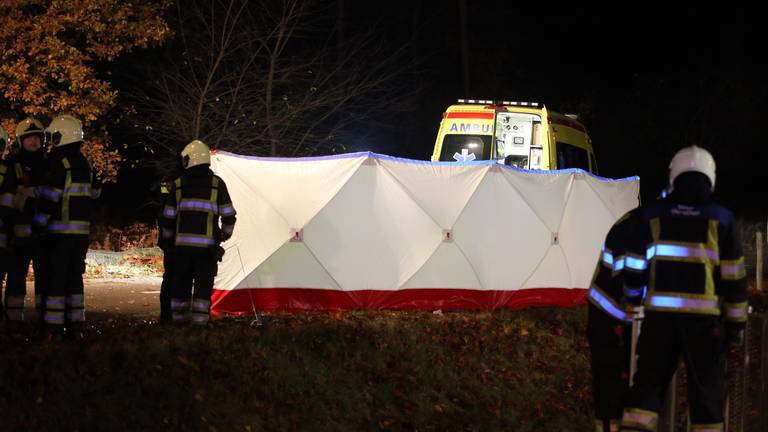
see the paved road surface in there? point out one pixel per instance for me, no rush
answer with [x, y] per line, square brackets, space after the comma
[138, 297]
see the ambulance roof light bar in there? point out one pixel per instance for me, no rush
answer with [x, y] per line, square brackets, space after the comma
[490, 102]
[476, 101]
[525, 104]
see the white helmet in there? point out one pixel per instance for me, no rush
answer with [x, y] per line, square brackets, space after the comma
[29, 126]
[195, 153]
[65, 129]
[692, 159]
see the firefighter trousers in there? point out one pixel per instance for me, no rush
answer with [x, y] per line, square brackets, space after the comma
[65, 301]
[166, 288]
[610, 350]
[193, 267]
[25, 251]
[665, 337]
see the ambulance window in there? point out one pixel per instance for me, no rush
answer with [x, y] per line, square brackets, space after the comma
[461, 148]
[516, 161]
[515, 132]
[569, 156]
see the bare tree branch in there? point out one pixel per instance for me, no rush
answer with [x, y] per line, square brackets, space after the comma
[264, 78]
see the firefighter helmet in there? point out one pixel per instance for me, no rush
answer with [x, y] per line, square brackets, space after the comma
[692, 159]
[195, 153]
[29, 126]
[65, 129]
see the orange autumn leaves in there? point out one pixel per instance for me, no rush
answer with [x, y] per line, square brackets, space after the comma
[49, 48]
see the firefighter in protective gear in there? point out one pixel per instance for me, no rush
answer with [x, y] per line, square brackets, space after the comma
[168, 248]
[64, 213]
[197, 201]
[687, 252]
[6, 211]
[28, 165]
[609, 328]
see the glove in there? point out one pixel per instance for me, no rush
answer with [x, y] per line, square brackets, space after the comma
[633, 296]
[219, 253]
[734, 336]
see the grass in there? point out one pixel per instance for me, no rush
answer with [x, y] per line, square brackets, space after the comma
[506, 370]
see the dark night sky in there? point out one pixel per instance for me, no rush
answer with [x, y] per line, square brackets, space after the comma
[645, 82]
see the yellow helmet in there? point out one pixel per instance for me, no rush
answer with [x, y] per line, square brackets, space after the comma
[29, 126]
[195, 153]
[65, 129]
[3, 139]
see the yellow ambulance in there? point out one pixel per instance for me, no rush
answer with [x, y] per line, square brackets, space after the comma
[520, 134]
